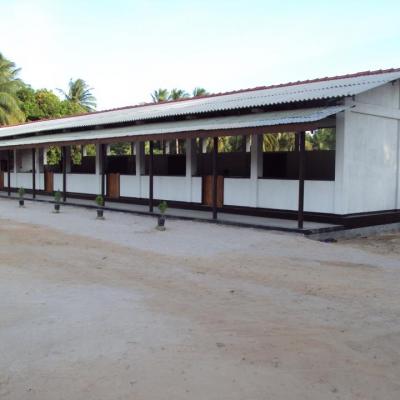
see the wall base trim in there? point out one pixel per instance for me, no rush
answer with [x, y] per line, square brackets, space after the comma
[346, 221]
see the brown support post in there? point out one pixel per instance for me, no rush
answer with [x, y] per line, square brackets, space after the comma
[244, 138]
[214, 177]
[200, 146]
[151, 177]
[9, 172]
[64, 172]
[296, 142]
[33, 173]
[302, 142]
[103, 170]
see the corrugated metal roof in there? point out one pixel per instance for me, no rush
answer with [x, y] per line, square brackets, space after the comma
[294, 92]
[159, 128]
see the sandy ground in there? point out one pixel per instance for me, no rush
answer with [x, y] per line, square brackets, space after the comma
[381, 244]
[116, 310]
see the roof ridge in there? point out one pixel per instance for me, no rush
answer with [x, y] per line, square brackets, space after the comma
[254, 89]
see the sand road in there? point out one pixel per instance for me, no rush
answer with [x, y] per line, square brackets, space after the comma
[116, 310]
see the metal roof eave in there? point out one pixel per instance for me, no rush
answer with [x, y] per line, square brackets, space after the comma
[263, 97]
[224, 126]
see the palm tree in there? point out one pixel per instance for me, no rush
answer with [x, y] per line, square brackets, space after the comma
[160, 95]
[199, 91]
[286, 141]
[282, 141]
[80, 93]
[270, 142]
[177, 94]
[10, 111]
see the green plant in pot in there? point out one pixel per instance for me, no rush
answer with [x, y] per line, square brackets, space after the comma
[162, 207]
[100, 205]
[57, 200]
[21, 193]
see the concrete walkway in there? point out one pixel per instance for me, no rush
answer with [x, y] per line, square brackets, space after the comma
[284, 225]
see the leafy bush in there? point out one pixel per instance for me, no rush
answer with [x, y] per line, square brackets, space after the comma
[57, 196]
[163, 207]
[99, 200]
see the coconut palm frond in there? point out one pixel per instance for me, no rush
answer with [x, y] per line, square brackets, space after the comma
[177, 94]
[199, 91]
[270, 142]
[160, 95]
[80, 93]
[8, 70]
[10, 111]
[4, 119]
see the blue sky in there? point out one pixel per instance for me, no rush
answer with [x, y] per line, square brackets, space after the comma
[126, 49]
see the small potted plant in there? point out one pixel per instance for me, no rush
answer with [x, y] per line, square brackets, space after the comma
[162, 207]
[57, 199]
[100, 203]
[21, 193]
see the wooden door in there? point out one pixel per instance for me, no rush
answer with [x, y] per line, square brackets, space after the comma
[113, 186]
[208, 190]
[1, 180]
[49, 182]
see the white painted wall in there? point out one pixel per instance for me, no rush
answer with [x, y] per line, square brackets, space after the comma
[191, 169]
[319, 196]
[174, 188]
[77, 183]
[144, 186]
[22, 179]
[280, 194]
[367, 154]
[58, 182]
[24, 160]
[12, 179]
[170, 188]
[82, 183]
[196, 189]
[39, 181]
[130, 186]
[239, 192]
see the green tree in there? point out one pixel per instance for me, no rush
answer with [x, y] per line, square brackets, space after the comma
[283, 141]
[177, 94]
[160, 95]
[76, 154]
[10, 111]
[90, 149]
[39, 104]
[287, 141]
[120, 149]
[199, 91]
[69, 108]
[270, 142]
[53, 155]
[321, 139]
[44, 104]
[79, 93]
[230, 144]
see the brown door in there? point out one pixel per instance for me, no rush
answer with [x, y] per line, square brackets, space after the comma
[49, 182]
[113, 186]
[1, 180]
[208, 190]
